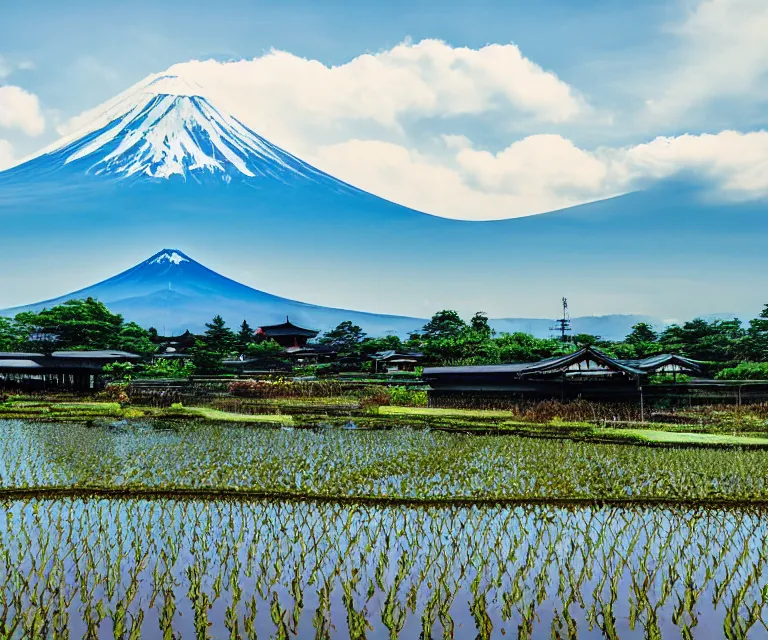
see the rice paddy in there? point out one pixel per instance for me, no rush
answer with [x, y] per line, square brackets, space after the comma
[172, 529]
[416, 465]
[246, 569]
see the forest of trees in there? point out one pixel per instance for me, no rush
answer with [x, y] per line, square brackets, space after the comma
[736, 350]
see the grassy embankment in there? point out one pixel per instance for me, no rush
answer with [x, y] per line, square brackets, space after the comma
[83, 411]
[649, 433]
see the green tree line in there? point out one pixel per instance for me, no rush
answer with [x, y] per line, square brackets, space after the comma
[740, 351]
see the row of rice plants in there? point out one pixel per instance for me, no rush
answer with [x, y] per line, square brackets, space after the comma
[347, 463]
[178, 569]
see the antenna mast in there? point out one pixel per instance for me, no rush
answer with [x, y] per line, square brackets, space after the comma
[562, 325]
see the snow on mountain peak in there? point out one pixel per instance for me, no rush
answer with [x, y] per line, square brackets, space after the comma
[165, 126]
[173, 85]
[170, 256]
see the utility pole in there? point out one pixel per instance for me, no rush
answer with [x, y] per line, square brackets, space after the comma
[562, 325]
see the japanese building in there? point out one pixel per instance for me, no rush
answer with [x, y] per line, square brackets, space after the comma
[62, 369]
[587, 373]
[286, 334]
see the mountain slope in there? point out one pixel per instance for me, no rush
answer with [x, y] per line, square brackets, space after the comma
[172, 292]
[160, 164]
[165, 129]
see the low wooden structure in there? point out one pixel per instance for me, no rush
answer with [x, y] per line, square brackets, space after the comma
[587, 373]
[311, 354]
[174, 347]
[390, 361]
[61, 369]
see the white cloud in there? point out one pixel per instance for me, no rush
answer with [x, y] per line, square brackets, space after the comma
[543, 172]
[535, 165]
[735, 162]
[279, 90]
[7, 157]
[7, 67]
[20, 109]
[723, 54]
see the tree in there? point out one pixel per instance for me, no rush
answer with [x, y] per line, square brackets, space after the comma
[345, 338]
[642, 332]
[369, 346]
[135, 339]
[218, 337]
[754, 345]
[244, 337]
[444, 323]
[523, 347]
[205, 359]
[700, 339]
[479, 323]
[77, 324]
[11, 338]
[265, 349]
[641, 342]
[582, 340]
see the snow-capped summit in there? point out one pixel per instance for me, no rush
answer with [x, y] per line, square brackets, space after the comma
[165, 127]
[171, 256]
[173, 292]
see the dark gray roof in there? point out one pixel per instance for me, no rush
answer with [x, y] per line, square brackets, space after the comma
[397, 355]
[80, 355]
[13, 355]
[21, 364]
[588, 354]
[654, 363]
[286, 329]
[95, 355]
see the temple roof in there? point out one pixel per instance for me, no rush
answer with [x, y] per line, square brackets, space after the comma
[587, 360]
[287, 328]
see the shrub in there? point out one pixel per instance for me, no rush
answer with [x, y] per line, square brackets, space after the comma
[407, 397]
[281, 388]
[375, 397]
[117, 393]
[119, 371]
[745, 371]
[669, 378]
[165, 368]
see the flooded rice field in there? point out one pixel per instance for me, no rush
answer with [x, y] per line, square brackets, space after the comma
[217, 531]
[245, 569]
[397, 464]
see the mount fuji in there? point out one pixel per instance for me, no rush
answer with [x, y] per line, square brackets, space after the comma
[160, 164]
[172, 292]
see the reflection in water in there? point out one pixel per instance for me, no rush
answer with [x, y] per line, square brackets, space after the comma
[166, 569]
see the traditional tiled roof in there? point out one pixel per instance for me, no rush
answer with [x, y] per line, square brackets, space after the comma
[592, 359]
[287, 328]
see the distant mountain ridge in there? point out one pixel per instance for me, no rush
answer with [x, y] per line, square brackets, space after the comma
[172, 292]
